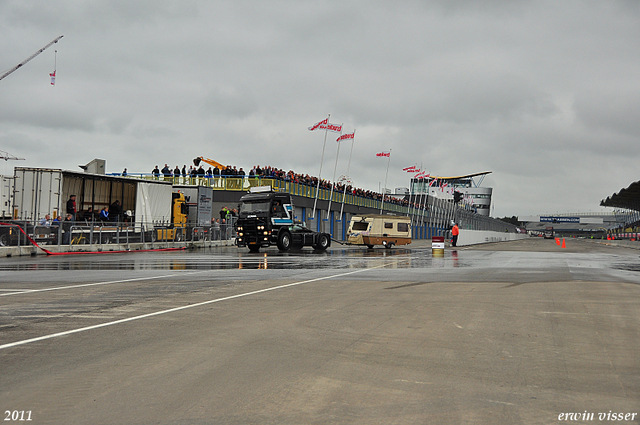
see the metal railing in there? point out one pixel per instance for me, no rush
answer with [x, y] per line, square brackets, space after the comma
[80, 234]
[435, 217]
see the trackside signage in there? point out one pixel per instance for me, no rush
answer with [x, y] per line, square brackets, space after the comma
[551, 219]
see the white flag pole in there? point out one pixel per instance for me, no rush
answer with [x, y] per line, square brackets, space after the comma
[417, 200]
[410, 209]
[385, 181]
[428, 211]
[344, 194]
[417, 196]
[424, 202]
[333, 181]
[421, 202]
[315, 201]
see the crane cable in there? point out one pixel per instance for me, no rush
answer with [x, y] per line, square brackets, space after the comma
[55, 67]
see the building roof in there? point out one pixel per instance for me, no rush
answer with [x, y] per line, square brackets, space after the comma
[468, 176]
[628, 198]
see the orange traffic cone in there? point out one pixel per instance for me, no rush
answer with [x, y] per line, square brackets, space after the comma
[563, 244]
[558, 241]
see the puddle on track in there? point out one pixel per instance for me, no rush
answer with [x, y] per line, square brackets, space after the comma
[336, 258]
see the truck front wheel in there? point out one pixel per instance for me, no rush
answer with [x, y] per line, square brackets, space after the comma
[284, 240]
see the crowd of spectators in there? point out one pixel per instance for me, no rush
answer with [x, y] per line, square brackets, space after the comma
[279, 174]
[306, 179]
[192, 171]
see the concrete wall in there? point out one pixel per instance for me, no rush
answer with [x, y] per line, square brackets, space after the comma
[473, 237]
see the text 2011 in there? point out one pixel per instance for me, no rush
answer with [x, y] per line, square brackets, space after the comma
[17, 415]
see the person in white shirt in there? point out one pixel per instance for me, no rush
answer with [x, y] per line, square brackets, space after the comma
[46, 221]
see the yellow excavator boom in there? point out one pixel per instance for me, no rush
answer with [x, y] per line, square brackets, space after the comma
[209, 161]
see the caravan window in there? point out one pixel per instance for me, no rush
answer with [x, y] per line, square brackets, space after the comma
[403, 227]
[388, 225]
[360, 226]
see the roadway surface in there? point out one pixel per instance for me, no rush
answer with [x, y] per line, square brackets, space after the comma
[510, 333]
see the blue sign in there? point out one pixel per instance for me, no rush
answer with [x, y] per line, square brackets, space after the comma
[559, 219]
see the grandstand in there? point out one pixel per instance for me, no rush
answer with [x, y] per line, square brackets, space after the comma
[627, 200]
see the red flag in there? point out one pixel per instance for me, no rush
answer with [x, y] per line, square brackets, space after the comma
[346, 136]
[387, 154]
[332, 127]
[317, 125]
[411, 169]
[53, 78]
[326, 125]
[434, 181]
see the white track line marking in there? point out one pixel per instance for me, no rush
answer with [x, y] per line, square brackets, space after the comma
[173, 310]
[57, 288]
[13, 290]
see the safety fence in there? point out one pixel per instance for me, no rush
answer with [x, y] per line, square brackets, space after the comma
[232, 183]
[629, 226]
[82, 233]
[436, 216]
[433, 217]
[243, 184]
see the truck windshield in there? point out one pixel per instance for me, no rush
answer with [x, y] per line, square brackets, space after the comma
[249, 207]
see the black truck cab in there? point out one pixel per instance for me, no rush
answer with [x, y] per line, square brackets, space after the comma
[266, 218]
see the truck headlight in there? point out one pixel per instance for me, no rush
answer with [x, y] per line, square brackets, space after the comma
[266, 233]
[240, 233]
[239, 227]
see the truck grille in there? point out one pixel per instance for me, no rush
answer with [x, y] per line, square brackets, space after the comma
[250, 231]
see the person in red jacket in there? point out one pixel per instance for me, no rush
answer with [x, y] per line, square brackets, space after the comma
[455, 231]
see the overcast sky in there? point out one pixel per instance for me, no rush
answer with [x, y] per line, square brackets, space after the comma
[545, 94]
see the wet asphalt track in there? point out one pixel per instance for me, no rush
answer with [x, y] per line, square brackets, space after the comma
[505, 333]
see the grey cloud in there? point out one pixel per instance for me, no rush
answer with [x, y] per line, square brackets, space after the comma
[540, 93]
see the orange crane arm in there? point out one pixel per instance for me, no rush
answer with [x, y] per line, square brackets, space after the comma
[209, 161]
